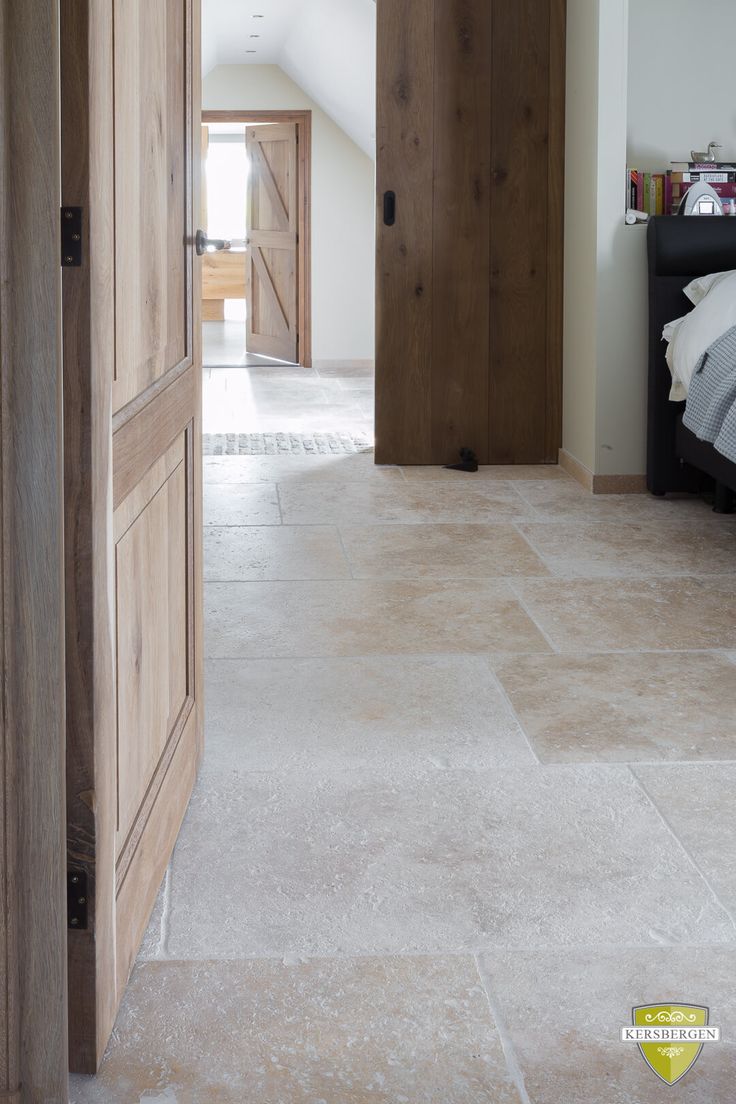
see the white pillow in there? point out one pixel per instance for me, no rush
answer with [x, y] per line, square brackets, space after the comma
[690, 336]
[699, 288]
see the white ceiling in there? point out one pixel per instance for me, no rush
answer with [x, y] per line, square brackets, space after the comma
[328, 47]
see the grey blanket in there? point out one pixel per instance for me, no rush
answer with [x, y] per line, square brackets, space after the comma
[710, 411]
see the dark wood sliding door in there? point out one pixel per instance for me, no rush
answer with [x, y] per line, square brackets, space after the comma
[470, 154]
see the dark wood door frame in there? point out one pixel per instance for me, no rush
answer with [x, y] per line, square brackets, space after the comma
[303, 120]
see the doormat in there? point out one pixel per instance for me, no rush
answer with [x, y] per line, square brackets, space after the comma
[283, 444]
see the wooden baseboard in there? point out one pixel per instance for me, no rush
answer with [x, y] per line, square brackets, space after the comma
[577, 470]
[601, 484]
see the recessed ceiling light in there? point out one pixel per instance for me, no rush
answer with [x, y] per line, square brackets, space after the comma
[258, 17]
[251, 51]
[254, 36]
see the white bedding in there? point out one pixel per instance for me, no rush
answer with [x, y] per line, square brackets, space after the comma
[714, 313]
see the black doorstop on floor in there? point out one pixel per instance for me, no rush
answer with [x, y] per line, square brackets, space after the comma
[468, 461]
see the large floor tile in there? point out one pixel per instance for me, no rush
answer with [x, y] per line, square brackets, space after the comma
[352, 467]
[564, 498]
[648, 705]
[576, 548]
[274, 552]
[318, 714]
[439, 552]
[383, 862]
[365, 618]
[360, 1031]
[347, 370]
[698, 801]
[408, 503]
[240, 504]
[563, 1010]
[601, 615]
[430, 474]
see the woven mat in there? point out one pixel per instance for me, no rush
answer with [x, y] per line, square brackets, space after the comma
[282, 444]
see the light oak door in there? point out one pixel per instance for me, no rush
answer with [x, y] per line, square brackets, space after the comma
[131, 148]
[272, 289]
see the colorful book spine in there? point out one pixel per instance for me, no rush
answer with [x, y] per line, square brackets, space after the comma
[633, 189]
[702, 166]
[720, 177]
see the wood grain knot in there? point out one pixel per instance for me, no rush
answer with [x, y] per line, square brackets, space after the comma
[402, 90]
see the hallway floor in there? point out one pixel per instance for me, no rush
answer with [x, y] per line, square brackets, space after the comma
[467, 795]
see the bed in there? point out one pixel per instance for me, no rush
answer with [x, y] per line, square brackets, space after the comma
[680, 250]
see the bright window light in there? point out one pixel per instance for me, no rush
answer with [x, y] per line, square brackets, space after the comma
[227, 177]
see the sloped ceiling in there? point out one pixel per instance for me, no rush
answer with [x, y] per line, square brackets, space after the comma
[328, 47]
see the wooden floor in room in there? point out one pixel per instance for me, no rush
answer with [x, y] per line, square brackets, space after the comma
[467, 794]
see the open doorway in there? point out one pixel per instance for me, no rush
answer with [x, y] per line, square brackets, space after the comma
[256, 205]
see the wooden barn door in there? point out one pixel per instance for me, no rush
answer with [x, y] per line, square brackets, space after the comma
[131, 146]
[469, 165]
[272, 289]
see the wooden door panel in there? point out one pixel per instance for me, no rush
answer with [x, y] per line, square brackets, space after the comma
[518, 410]
[133, 476]
[272, 218]
[151, 603]
[151, 193]
[404, 260]
[470, 138]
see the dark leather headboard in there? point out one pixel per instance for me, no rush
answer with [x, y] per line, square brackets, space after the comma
[680, 248]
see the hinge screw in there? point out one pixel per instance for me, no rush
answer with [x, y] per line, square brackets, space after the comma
[73, 922]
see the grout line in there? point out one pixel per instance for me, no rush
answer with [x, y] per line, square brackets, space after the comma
[509, 1051]
[507, 699]
[348, 561]
[645, 790]
[279, 956]
[522, 602]
[278, 501]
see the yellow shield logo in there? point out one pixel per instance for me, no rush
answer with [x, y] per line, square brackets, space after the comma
[670, 1060]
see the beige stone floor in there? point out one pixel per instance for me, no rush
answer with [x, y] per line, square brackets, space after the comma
[468, 793]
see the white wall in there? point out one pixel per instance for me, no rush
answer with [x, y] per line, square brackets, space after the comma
[343, 209]
[581, 227]
[626, 104]
[670, 115]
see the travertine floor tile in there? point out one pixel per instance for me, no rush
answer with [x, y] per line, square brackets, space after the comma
[430, 474]
[561, 499]
[396, 711]
[353, 467]
[365, 618]
[241, 505]
[274, 552]
[384, 862]
[600, 615]
[576, 548]
[563, 1010]
[356, 1031]
[439, 552]
[698, 802]
[598, 708]
[408, 503]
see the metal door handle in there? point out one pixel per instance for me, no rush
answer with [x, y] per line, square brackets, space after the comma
[203, 244]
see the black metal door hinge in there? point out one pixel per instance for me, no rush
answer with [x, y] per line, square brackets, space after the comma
[76, 899]
[71, 237]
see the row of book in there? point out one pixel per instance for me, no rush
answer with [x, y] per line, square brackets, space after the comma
[662, 193]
